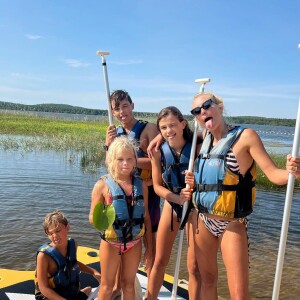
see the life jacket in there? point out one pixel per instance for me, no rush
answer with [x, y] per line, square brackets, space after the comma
[173, 173]
[218, 190]
[66, 280]
[135, 134]
[173, 167]
[129, 221]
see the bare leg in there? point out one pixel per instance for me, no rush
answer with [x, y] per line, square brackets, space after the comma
[164, 243]
[130, 264]
[206, 248]
[110, 261]
[192, 266]
[234, 247]
[117, 288]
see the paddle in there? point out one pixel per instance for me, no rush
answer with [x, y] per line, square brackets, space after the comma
[185, 206]
[287, 212]
[104, 216]
[102, 54]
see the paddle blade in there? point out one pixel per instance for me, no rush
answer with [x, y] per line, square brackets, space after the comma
[103, 216]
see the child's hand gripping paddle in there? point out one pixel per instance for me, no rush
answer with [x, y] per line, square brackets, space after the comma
[103, 216]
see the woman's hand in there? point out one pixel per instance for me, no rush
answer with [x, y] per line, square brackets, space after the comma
[293, 165]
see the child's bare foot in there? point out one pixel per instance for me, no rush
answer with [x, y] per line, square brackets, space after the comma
[87, 290]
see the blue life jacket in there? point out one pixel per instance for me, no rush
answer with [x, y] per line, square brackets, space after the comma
[134, 134]
[173, 167]
[129, 222]
[66, 280]
[218, 190]
[173, 173]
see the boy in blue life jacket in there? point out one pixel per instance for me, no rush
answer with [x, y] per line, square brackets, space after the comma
[57, 268]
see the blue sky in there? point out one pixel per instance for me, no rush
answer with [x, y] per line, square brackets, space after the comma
[157, 50]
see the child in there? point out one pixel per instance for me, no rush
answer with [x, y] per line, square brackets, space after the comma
[169, 167]
[57, 269]
[121, 242]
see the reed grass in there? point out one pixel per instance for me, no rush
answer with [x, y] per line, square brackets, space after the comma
[28, 132]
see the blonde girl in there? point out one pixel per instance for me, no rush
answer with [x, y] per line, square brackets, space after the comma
[121, 242]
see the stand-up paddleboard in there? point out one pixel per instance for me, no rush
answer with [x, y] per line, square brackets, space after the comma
[19, 285]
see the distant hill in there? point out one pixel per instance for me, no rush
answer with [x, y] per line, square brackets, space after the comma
[64, 108]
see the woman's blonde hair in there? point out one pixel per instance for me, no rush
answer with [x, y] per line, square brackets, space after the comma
[218, 100]
[55, 218]
[120, 144]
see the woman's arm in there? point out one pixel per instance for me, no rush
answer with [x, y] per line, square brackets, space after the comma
[253, 148]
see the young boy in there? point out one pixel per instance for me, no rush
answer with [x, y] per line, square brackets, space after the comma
[142, 132]
[57, 268]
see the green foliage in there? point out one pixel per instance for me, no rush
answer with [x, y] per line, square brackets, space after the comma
[64, 108]
[30, 132]
[263, 182]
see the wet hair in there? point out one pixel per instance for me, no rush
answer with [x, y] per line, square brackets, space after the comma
[119, 145]
[55, 218]
[172, 110]
[119, 95]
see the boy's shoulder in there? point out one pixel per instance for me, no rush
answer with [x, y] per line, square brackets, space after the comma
[150, 128]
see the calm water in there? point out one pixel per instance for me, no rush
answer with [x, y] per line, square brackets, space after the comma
[35, 183]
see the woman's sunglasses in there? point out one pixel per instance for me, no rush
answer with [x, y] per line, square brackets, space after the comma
[206, 105]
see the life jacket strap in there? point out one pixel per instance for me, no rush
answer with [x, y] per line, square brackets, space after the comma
[209, 155]
[185, 218]
[221, 187]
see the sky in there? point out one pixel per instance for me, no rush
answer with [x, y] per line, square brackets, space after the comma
[249, 50]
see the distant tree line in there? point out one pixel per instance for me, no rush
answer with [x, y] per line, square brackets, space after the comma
[64, 108]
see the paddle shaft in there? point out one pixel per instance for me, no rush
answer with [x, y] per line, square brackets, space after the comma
[203, 82]
[179, 251]
[286, 213]
[110, 116]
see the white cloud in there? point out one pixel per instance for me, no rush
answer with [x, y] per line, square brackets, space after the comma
[33, 36]
[75, 63]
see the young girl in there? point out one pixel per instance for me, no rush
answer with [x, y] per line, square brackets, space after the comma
[169, 179]
[121, 242]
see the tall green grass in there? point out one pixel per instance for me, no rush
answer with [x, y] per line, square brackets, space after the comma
[86, 138]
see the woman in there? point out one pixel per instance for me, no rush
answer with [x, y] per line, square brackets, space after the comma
[224, 195]
[170, 176]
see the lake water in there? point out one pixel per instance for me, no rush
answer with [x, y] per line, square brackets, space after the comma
[35, 183]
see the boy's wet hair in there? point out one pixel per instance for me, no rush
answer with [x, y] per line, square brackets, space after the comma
[119, 95]
[55, 218]
[120, 144]
[172, 110]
